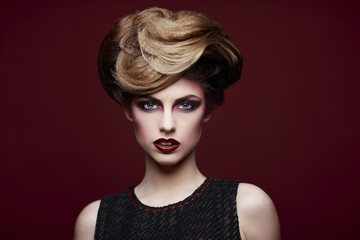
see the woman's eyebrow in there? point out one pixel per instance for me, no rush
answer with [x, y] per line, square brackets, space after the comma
[150, 98]
[177, 101]
[186, 98]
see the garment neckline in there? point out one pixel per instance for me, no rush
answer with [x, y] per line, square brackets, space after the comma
[188, 200]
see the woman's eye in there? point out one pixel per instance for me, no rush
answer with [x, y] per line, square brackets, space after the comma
[186, 106]
[149, 106]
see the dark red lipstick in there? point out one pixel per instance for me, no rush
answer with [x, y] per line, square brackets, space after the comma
[166, 145]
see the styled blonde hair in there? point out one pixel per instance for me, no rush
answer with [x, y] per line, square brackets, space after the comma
[147, 51]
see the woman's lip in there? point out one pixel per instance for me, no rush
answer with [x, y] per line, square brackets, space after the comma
[166, 145]
[163, 140]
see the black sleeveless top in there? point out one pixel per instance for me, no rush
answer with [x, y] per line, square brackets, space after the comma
[207, 214]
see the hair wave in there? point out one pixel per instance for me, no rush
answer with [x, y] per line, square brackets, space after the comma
[147, 51]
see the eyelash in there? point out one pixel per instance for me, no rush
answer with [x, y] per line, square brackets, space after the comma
[145, 105]
[191, 105]
[185, 106]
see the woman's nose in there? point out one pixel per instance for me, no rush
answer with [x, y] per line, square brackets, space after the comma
[167, 123]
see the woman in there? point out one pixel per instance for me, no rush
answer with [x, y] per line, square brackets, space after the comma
[169, 71]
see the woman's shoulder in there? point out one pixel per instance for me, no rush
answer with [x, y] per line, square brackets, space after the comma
[257, 215]
[252, 197]
[86, 222]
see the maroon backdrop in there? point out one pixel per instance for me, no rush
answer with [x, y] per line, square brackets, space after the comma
[290, 126]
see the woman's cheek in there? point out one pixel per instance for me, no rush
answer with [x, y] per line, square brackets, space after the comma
[192, 124]
[144, 125]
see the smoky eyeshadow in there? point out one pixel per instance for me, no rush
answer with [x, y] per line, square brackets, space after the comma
[193, 100]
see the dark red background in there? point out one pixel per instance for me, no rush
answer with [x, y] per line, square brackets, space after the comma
[290, 126]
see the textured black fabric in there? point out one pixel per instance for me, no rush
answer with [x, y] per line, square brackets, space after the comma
[208, 213]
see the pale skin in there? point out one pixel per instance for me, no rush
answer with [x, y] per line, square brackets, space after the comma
[178, 112]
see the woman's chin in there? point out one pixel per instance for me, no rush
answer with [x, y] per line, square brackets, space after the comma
[170, 159]
[167, 160]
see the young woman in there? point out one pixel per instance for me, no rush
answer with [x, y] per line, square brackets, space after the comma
[169, 71]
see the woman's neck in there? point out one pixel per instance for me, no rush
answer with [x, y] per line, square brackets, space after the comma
[166, 184]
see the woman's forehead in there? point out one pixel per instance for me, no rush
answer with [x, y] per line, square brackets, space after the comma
[181, 88]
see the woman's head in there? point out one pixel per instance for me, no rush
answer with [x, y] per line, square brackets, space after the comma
[150, 50]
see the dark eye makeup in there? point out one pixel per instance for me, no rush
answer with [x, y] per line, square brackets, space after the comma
[186, 104]
[146, 105]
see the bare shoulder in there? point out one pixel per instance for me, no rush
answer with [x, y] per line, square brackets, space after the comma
[86, 221]
[252, 199]
[257, 214]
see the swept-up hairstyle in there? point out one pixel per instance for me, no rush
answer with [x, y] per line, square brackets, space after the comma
[147, 51]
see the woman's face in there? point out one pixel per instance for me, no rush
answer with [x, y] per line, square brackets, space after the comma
[168, 123]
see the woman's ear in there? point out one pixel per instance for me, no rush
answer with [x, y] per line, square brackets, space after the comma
[128, 114]
[207, 117]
